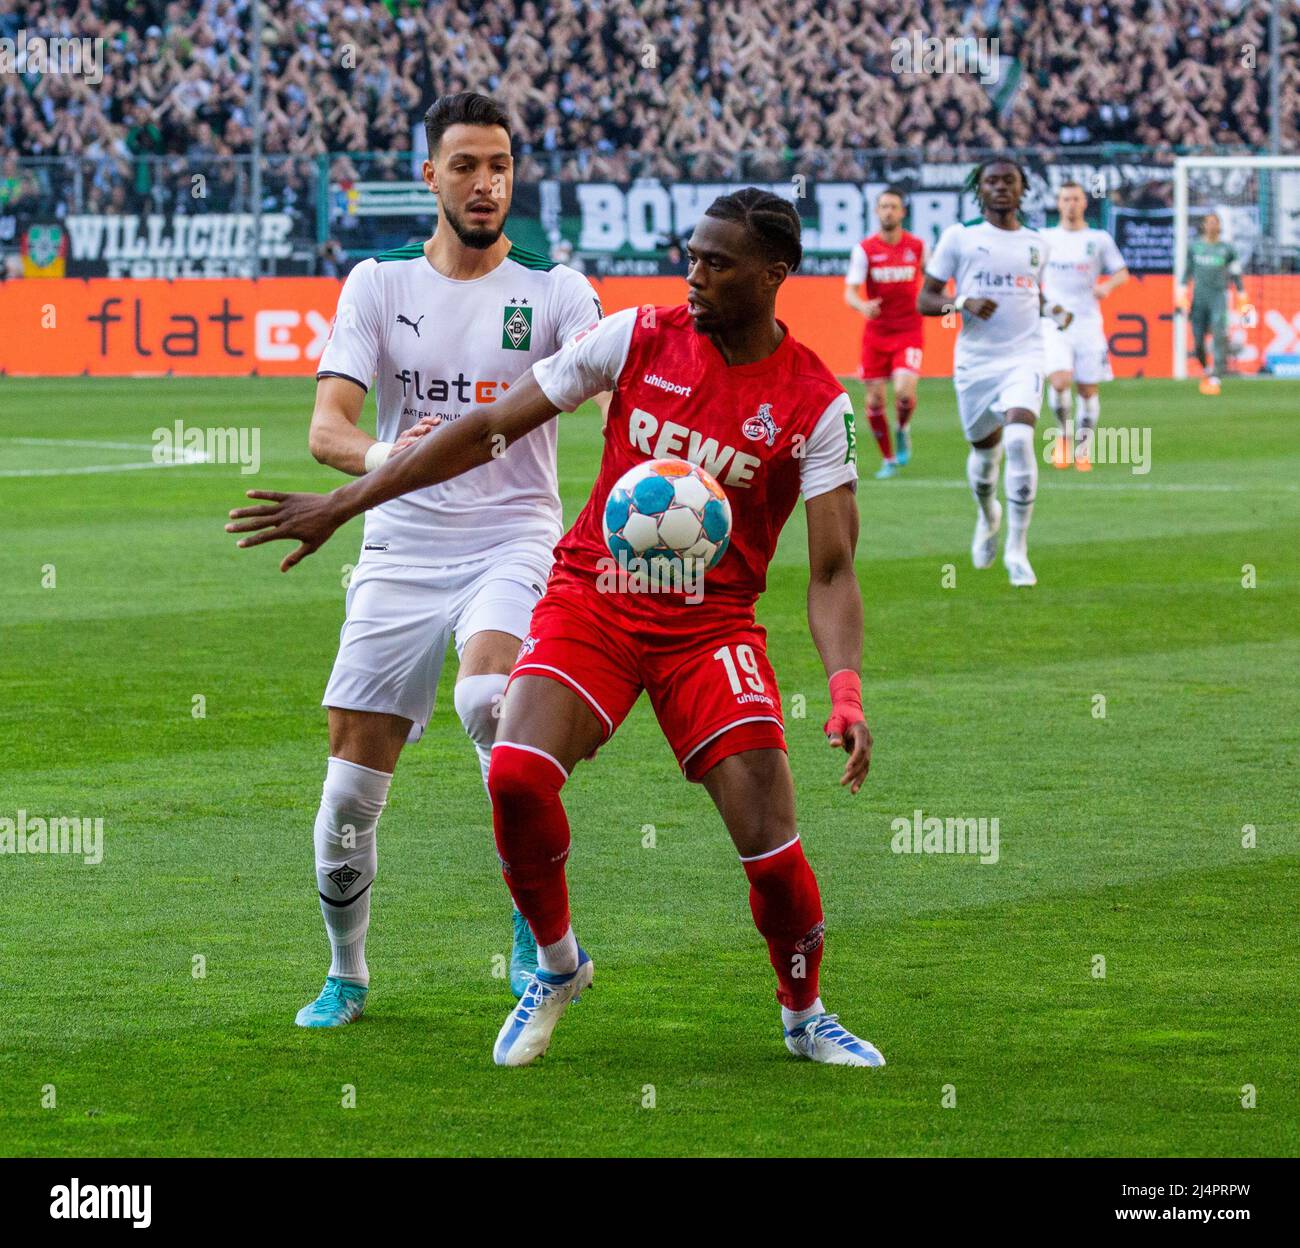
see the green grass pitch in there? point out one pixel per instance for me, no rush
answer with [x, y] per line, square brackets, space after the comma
[1121, 836]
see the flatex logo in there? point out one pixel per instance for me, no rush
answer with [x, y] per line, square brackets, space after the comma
[123, 1202]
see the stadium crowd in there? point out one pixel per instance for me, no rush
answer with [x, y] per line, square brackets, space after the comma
[614, 89]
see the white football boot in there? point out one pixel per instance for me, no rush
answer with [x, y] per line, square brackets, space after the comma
[526, 1033]
[984, 546]
[822, 1039]
[1018, 569]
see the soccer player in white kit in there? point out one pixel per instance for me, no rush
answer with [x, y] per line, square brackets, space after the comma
[1084, 265]
[440, 327]
[998, 365]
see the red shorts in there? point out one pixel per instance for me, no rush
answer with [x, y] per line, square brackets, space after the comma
[885, 355]
[713, 691]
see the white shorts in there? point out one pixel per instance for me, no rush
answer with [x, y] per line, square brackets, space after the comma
[1080, 350]
[984, 398]
[400, 619]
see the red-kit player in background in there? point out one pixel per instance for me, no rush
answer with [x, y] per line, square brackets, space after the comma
[722, 383]
[889, 264]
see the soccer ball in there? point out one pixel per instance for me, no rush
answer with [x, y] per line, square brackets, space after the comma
[670, 512]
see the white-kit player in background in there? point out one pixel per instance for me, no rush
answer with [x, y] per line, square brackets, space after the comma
[441, 327]
[997, 263]
[1083, 267]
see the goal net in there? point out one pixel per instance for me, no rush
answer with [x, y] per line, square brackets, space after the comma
[1257, 201]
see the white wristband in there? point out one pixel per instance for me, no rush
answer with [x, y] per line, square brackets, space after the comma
[959, 302]
[376, 454]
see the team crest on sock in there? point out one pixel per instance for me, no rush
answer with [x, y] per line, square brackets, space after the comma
[344, 877]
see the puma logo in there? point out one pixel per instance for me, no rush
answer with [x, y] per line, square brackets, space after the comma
[415, 325]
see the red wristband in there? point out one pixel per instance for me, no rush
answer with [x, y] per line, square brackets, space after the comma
[846, 702]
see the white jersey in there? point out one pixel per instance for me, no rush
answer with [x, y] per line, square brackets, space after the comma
[1007, 267]
[1077, 258]
[437, 348]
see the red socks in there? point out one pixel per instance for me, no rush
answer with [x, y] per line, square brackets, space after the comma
[880, 428]
[903, 409]
[787, 909]
[532, 833]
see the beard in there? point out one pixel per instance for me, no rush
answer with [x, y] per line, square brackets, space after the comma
[478, 237]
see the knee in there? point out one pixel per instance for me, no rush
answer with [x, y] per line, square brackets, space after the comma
[478, 703]
[523, 776]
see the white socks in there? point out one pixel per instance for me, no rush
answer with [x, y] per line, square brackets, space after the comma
[1086, 412]
[346, 859]
[478, 703]
[1022, 483]
[560, 958]
[1060, 406]
[982, 472]
[796, 1018]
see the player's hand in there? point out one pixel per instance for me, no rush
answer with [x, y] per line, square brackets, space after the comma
[855, 740]
[847, 727]
[872, 310]
[308, 518]
[412, 435]
[982, 308]
[1060, 316]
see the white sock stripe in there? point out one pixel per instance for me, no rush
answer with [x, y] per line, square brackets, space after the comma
[343, 762]
[780, 849]
[532, 749]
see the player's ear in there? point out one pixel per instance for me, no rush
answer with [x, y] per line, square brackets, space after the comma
[777, 272]
[430, 173]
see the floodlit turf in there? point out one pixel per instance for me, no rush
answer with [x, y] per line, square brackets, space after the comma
[1119, 837]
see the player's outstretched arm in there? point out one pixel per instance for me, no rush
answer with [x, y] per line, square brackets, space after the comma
[481, 435]
[835, 621]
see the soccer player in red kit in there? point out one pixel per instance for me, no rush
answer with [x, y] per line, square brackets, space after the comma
[721, 383]
[889, 264]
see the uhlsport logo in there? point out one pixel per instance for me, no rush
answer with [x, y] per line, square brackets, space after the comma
[761, 427]
[517, 326]
[653, 379]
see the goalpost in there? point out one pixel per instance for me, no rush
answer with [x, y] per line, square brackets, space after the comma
[1257, 200]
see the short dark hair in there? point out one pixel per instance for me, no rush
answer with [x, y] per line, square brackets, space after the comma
[1071, 185]
[772, 221]
[465, 108]
[899, 195]
[973, 178]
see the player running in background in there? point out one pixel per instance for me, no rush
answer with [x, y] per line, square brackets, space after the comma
[442, 327]
[997, 264]
[1211, 264]
[889, 265]
[766, 417]
[1083, 267]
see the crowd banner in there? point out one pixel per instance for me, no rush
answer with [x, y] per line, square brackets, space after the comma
[638, 229]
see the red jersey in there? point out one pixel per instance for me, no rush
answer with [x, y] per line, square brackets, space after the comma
[892, 274]
[765, 431]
